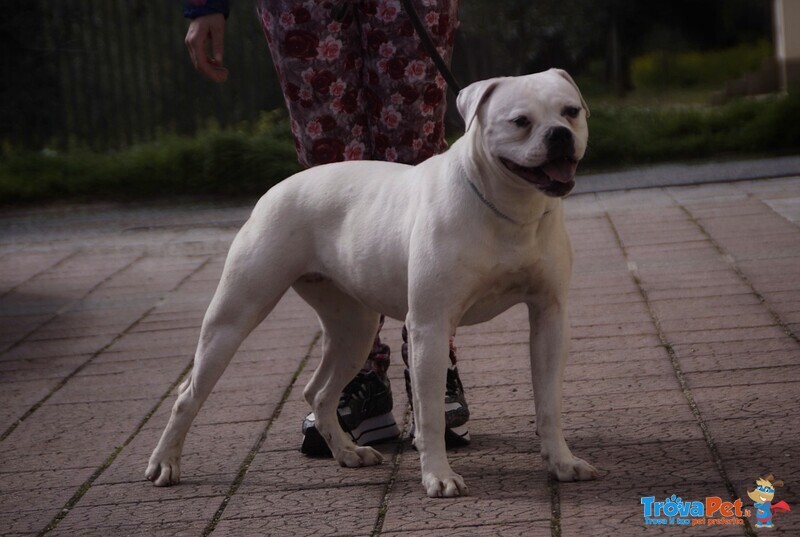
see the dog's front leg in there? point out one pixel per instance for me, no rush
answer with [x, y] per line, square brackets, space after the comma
[549, 342]
[429, 360]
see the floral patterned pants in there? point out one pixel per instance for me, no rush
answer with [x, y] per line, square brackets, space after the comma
[356, 79]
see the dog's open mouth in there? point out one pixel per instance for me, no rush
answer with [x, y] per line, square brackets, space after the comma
[555, 177]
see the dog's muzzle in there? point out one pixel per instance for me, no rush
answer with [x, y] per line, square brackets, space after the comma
[556, 176]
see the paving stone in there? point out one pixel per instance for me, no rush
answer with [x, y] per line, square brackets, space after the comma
[305, 502]
[603, 508]
[348, 523]
[146, 529]
[19, 502]
[16, 269]
[733, 361]
[118, 517]
[747, 377]
[26, 522]
[756, 348]
[491, 501]
[641, 357]
[80, 277]
[470, 529]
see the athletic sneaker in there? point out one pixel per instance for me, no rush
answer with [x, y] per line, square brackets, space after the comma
[365, 413]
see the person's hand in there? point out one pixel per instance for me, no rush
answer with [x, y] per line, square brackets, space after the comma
[205, 40]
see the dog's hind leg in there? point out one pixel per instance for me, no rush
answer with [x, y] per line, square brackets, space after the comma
[349, 329]
[250, 287]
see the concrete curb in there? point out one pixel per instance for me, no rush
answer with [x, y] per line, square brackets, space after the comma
[688, 174]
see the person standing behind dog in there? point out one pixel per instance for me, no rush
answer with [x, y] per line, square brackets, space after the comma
[358, 85]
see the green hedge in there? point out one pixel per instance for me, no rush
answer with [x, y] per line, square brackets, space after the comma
[247, 162]
[664, 70]
[242, 162]
[622, 136]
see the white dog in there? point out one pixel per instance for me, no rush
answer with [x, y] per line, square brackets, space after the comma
[453, 241]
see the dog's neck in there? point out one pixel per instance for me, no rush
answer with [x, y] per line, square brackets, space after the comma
[520, 205]
[492, 207]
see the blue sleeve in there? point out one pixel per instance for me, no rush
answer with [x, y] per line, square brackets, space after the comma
[197, 8]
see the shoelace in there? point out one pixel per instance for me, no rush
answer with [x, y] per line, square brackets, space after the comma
[360, 386]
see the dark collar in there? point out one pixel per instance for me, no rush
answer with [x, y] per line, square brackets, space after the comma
[488, 203]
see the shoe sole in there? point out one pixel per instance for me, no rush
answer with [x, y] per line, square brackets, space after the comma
[457, 436]
[371, 431]
[454, 437]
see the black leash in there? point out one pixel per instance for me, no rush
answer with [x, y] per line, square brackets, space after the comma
[427, 42]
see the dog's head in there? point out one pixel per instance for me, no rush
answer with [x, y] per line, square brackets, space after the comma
[534, 127]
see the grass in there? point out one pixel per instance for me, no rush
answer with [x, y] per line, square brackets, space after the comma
[248, 161]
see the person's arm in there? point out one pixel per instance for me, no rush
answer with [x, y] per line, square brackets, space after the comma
[205, 38]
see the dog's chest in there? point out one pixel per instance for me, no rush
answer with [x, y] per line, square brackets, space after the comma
[500, 289]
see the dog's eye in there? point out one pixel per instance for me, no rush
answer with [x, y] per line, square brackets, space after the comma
[522, 122]
[571, 112]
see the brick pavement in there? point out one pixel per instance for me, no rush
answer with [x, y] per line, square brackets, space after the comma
[684, 378]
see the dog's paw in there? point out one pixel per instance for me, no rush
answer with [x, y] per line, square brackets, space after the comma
[573, 469]
[164, 471]
[360, 456]
[447, 486]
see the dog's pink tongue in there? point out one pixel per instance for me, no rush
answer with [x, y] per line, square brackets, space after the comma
[561, 170]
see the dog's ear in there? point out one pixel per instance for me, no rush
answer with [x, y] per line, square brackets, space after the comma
[470, 99]
[565, 76]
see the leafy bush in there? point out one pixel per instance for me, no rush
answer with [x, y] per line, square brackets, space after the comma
[659, 70]
[248, 161]
[621, 136]
[243, 162]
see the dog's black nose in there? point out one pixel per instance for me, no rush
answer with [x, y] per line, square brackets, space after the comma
[559, 143]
